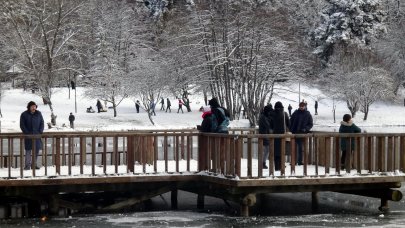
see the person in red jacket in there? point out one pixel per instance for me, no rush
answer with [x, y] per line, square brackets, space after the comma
[180, 106]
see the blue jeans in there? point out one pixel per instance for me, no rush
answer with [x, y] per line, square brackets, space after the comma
[28, 158]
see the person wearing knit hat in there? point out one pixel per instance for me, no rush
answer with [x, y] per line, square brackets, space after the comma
[265, 127]
[31, 123]
[301, 123]
[220, 117]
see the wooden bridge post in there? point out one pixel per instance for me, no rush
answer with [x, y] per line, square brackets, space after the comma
[57, 159]
[202, 152]
[200, 201]
[130, 154]
[247, 201]
[384, 205]
[315, 201]
[174, 199]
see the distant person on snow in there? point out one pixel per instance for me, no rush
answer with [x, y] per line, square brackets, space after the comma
[316, 107]
[162, 102]
[289, 109]
[71, 120]
[137, 105]
[168, 105]
[180, 106]
[99, 106]
[152, 108]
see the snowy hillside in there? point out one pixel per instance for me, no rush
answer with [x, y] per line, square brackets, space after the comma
[382, 116]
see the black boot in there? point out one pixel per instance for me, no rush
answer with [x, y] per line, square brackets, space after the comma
[265, 166]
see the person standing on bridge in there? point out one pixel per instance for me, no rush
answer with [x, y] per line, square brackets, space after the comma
[281, 123]
[31, 123]
[347, 126]
[265, 127]
[220, 117]
[301, 123]
[207, 120]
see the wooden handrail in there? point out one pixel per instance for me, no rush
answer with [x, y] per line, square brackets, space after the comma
[233, 155]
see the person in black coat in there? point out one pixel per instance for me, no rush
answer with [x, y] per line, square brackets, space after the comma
[265, 127]
[207, 120]
[316, 107]
[99, 106]
[168, 105]
[300, 123]
[137, 104]
[289, 109]
[71, 120]
[281, 124]
[31, 123]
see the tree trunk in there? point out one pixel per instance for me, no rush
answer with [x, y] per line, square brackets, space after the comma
[366, 109]
[150, 117]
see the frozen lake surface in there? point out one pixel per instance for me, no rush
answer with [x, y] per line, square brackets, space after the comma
[274, 210]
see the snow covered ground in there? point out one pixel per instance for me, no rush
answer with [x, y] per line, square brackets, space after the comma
[383, 116]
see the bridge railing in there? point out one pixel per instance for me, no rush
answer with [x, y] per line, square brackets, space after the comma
[241, 155]
[237, 155]
[101, 153]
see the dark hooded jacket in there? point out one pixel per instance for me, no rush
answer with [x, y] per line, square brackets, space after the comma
[265, 122]
[280, 119]
[32, 124]
[280, 125]
[220, 115]
[348, 127]
[206, 123]
[301, 122]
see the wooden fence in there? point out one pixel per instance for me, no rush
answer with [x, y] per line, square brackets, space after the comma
[242, 155]
[239, 154]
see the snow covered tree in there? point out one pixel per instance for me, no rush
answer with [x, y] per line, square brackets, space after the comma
[41, 36]
[373, 84]
[391, 48]
[116, 37]
[236, 51]
[148, 81]
[359, 77]
[347, 22]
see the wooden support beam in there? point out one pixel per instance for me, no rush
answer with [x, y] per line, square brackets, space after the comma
[136, 200]
[389, 194]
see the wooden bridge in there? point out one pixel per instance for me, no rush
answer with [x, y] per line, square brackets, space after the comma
[107, 171]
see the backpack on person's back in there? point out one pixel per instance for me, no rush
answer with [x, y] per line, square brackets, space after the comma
[220, 121]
